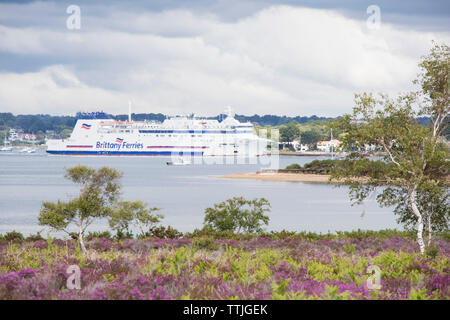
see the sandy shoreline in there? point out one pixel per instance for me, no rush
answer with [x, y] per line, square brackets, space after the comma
[293, 177]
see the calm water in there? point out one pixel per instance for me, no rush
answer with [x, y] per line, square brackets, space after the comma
[183, 192]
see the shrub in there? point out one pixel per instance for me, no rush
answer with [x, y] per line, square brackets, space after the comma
[432, 251]
[209, 232]
[238, 215]
[13, 236]
[163, 232]
[34, 237]
[123, 235]
[99, 234]
[294, 166]
[207, 243]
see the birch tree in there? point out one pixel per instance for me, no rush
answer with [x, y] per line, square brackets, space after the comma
[416, 155]
[99, 192]
[134, 213]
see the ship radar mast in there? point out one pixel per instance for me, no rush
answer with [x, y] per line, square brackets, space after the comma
[229, 112]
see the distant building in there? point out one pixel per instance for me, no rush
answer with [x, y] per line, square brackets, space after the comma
[328, 146]
[29, 137]
[299, 147]
[19, 135]
[13, 135]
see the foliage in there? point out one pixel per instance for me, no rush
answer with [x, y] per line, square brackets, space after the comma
[123, 234]
[254, 269]
[99, 191]
[98, 234]
[126, 213]
[207, 243]
[13, 236]
[163, 232]
[34, 237]
[289, 132]
[432, 251]
[416, 157]
[310, 137]
[238, 215]
[432, 201]
[360, 168]
[62, 125]
[294, 166]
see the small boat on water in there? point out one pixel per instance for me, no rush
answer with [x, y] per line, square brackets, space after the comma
[6, 147]
[27, 150]
[179, 162]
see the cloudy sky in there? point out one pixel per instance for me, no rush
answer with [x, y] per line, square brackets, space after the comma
[178, 57]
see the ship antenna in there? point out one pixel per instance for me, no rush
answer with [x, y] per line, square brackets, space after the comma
[129, 110]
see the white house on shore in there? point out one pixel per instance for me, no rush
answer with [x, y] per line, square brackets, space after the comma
[328, 146]
[299, 147]
[19, 135]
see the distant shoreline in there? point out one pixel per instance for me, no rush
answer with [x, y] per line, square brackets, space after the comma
[289, 177]
[310, 153]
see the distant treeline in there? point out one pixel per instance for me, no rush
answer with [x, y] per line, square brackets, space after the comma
[266, 120]
[40, 123]
[43, 122]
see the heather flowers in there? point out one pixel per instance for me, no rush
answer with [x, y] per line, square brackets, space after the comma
[254, 268]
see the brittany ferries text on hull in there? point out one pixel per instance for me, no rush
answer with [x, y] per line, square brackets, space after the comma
[97, 134]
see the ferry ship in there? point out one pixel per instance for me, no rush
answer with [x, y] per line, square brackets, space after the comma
[98, 134]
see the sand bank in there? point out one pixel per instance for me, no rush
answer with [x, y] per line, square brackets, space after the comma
[269, 176]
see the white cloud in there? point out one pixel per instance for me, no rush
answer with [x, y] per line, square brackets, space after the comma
[53, 90]
[281, 60]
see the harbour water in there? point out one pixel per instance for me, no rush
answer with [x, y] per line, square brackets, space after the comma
[182, 193]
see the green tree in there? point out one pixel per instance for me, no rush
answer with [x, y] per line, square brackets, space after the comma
[65, 133]
[432, 201]
[238, 215]
[135, 213]
[416, 154]
[99, 192]
[310, 137]
[289, 132]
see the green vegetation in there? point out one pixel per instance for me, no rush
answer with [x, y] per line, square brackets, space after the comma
[136, 213]
[238, 215]
[308, 133]
[256, 268]
[63, 125]
[415, 177]
[364, 167]
[99, 192]
[289, 132]
[206, 232]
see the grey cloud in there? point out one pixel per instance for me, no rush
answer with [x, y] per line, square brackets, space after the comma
[176, 58]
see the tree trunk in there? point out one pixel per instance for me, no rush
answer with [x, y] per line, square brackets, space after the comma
[415, 209]
[80, 240]
[429, 228]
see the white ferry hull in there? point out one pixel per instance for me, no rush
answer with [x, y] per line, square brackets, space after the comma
[172, 137]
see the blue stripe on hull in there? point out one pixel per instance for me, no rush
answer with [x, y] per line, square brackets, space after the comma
[126, 153]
